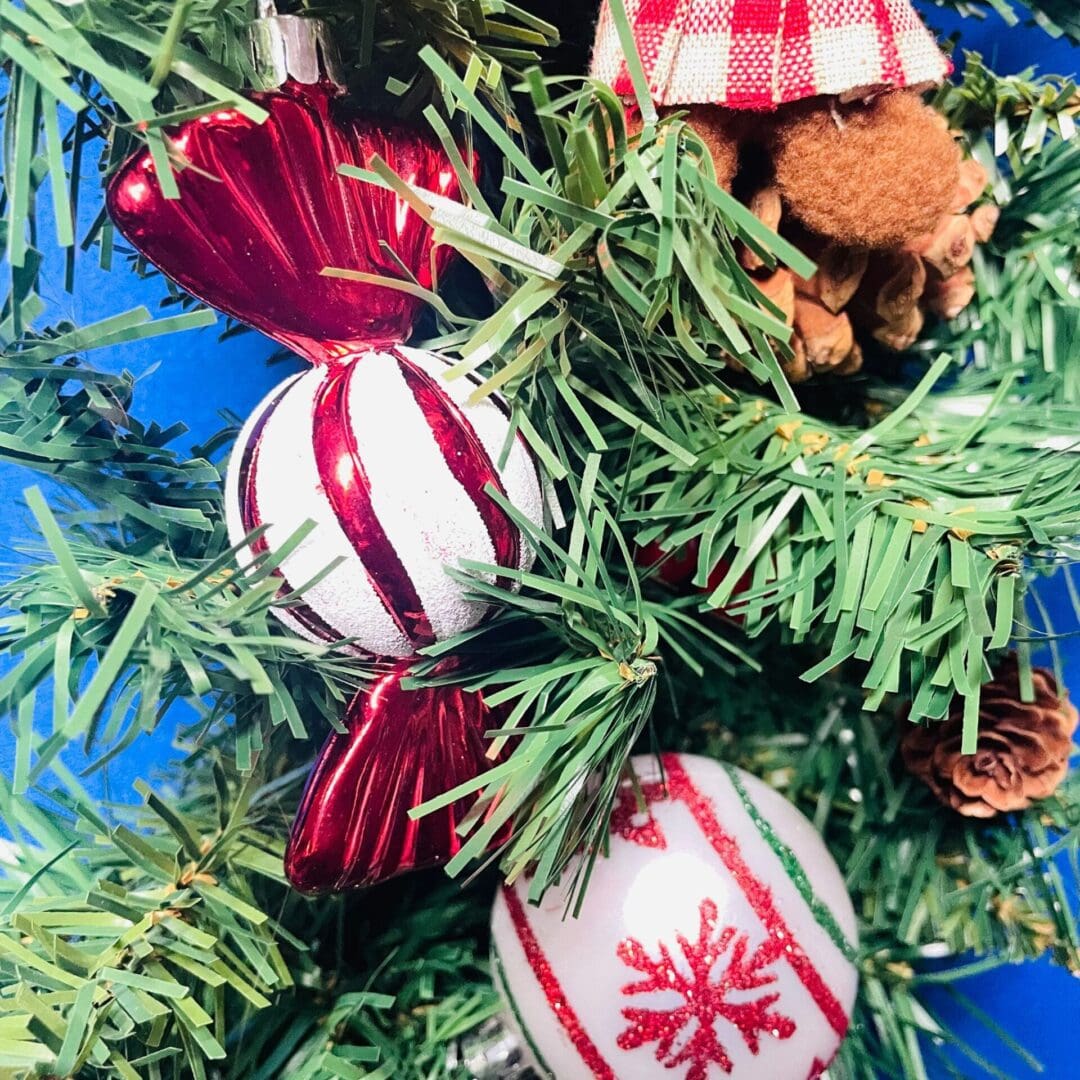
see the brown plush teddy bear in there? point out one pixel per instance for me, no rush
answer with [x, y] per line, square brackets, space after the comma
[822, 97]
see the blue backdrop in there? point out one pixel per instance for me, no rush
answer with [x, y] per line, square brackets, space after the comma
[193, 377]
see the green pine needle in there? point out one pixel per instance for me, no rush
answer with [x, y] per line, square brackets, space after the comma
[883, 551]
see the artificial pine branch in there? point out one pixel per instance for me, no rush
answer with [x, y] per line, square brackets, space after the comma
[927, 885]
[64, 419]
[766, 489]
[135, 603]
[133, 951]
[1026, 312]
[171, 945]
[1056, 17]
[122, 71]
[613, 353]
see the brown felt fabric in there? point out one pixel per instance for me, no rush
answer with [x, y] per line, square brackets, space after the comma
[872, 175]
[721, 131]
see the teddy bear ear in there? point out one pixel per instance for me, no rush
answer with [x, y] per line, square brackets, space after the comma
[747, 55]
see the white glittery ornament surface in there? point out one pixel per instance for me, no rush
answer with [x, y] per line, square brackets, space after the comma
[716, 941]
[388, 459]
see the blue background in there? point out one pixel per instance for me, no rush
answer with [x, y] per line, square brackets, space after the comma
[193, 377]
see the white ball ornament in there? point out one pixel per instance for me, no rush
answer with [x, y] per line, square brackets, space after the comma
[390, 461]
[717, 940]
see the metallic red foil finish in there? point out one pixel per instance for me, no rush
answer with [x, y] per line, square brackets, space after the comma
[263, 210]
[401, 747]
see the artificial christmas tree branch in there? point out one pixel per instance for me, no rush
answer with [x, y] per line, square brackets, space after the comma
[898, 476]
[1056, 17]
[127, 70]
[898, 543]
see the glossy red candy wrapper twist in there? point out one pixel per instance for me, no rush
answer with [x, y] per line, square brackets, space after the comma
[263, 210]
[401, 748]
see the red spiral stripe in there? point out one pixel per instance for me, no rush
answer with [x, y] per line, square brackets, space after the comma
[466, 457]
[348, 488]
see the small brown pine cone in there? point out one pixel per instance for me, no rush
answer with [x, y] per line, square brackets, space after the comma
[797, 369]
[766, 206]
[852, 364]
[947, 297]
[949, 247]
[902, 332]
[839, 272]
[828, 339]
[1023, 749]
[984, 221]
[901, 289]
[779, 287]
[972, 183]
[887, 303]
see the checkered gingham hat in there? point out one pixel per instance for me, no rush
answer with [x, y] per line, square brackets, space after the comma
[758, 54]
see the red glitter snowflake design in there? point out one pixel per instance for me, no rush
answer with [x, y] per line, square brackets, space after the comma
[632, 823]
[706, 999]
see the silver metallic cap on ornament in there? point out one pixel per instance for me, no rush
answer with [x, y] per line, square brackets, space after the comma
[294, 47]
[491, 1052]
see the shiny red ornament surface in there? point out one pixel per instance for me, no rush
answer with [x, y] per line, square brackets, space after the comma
[401, 748]
[677, 569]
[263, 210]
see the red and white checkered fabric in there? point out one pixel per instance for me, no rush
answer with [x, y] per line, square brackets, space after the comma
[758, 54]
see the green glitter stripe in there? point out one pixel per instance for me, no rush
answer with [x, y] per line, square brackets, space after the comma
[504, 986]
[793, 867]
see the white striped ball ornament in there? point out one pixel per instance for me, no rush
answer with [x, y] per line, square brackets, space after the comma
[716, 941]
[390, 461]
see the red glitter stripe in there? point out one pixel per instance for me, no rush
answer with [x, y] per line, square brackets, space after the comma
[549, 983]
[347, 486]
[680, 786]
[466, 458]
[251, 519]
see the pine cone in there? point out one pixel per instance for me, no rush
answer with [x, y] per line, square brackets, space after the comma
[826, 340]
[947, 297]
[858, 294]
[949, 247]
[971, 184]
[840, 271]
[1023, 750]
[766, 206]
[888, 303]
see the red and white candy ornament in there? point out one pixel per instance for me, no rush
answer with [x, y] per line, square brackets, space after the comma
[391, 463]
[715, 941]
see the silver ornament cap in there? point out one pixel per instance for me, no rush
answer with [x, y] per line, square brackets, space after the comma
[491, 1052]
[297, 47]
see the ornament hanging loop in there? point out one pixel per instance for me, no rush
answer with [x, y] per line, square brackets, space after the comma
[296, 47]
